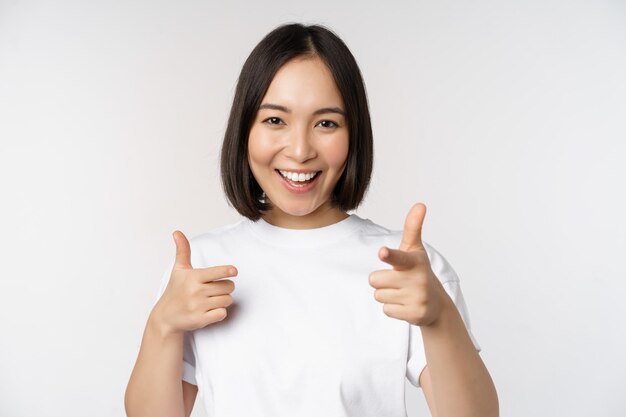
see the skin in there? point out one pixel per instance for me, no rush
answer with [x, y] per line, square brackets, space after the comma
[298, 139]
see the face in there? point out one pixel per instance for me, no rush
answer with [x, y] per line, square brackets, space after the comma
[300, 125]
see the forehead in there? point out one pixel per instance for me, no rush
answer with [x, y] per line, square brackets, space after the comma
[304, 83]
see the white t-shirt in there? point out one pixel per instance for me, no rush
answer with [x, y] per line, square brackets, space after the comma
[304, 335]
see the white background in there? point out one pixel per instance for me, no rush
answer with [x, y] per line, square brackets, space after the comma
[507, 119]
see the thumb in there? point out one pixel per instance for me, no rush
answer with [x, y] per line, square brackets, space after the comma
[412, 234]
[183, 251]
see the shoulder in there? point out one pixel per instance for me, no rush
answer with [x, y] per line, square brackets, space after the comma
[214, 240]
[223, 231]
[371, 230]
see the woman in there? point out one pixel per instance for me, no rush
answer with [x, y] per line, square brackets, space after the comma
[318, 323]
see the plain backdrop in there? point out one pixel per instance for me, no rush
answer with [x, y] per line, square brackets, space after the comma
[507, 119]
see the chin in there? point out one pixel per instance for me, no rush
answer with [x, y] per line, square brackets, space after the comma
[298, 212]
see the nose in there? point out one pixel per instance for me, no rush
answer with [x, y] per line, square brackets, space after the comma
[300, 147]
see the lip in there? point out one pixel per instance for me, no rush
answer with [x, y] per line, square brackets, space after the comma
[298, 190]
[299, 171]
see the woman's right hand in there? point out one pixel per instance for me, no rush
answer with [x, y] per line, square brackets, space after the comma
[193, 298]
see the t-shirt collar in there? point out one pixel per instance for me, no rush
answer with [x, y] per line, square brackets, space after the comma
[304, 238]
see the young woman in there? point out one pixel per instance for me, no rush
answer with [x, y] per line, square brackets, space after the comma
[326, 313]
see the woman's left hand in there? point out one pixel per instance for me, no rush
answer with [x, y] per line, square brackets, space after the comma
[410, 291]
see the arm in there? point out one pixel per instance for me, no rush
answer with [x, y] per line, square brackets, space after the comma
[155, 388]
[455, 382]
[190, 392]
[427, 388]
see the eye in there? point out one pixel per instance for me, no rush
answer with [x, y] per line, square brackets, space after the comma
[329, 121]
[272, 120]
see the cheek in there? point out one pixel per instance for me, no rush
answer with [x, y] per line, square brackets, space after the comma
[259, 148]
[337, 151]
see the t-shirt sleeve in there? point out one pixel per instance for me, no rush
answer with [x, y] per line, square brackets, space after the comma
[188, 367]
[450, 281]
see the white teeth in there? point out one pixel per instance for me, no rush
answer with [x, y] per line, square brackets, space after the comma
[297, 177]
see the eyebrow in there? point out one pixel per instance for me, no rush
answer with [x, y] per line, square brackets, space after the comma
[316, 112]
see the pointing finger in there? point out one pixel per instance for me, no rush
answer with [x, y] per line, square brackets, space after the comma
[213, 273]
[399, 259]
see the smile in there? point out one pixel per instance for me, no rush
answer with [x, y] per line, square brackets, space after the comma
[299, 187]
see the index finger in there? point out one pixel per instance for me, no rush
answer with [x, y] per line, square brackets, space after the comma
[213, 273]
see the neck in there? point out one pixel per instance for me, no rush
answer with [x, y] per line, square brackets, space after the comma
[323, 216]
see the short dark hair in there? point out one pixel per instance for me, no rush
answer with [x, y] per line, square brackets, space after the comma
[281, 45]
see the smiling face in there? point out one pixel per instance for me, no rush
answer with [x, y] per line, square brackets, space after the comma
[300, 126]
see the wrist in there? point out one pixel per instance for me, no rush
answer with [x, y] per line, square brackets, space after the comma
[446, 308]
[158, 327]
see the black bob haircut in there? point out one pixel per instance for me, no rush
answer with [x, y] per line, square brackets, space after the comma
[281, 45]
